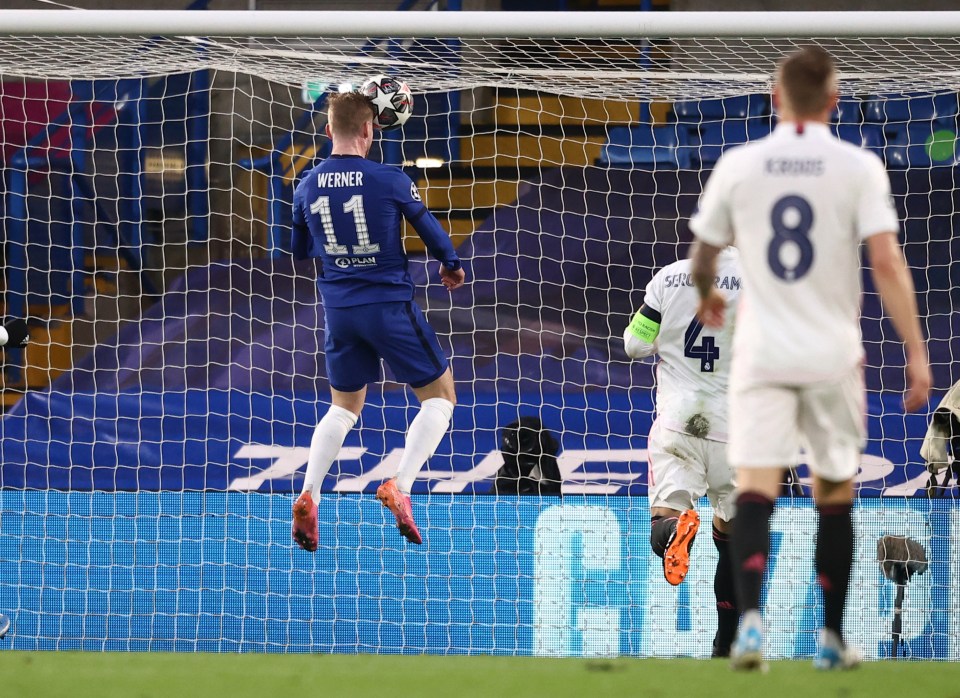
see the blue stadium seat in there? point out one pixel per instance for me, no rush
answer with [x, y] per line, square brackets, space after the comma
[869, 136]
[899, 109]
[664, 146]
[849, 111]
[718, 137]
[705, 110]
[923, 144]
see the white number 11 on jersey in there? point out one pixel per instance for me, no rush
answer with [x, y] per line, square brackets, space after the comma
[353, 205]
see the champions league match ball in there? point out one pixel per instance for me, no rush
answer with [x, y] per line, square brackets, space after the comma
[392, 100]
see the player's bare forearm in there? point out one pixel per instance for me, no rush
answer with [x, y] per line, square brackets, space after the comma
[895, 286]
[703, 266]
[703, 270]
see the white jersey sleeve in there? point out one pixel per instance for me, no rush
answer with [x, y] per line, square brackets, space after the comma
[641, 335]
[712, 223]
[875, 211]
[652, 297]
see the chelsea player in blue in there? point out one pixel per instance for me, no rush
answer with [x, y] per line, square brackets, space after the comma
[347, 213]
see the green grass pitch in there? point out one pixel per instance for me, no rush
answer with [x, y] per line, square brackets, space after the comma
[149, 675]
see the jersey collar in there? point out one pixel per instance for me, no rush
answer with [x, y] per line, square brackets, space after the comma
[801, 128]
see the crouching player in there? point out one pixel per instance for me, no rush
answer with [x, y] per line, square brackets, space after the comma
[347, 213]
[687, 444]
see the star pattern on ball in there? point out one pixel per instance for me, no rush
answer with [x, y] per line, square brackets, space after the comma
[383, 101]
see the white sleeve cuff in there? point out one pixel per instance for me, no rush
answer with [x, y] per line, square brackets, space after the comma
[635, 347]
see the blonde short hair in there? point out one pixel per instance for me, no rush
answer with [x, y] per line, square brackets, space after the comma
[347, 112]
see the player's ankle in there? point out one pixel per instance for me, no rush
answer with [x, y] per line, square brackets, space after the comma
[662, 530]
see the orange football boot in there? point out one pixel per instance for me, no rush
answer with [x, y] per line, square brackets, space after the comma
[306, 532]
[399, 504]
[676, 559]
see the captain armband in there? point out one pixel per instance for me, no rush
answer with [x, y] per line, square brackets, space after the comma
[645, 325]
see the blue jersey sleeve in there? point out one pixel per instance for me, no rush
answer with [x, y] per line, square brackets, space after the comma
[424, 222]
[300, 235]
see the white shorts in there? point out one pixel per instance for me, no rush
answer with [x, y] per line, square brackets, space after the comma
[684, 468]
[770, 423]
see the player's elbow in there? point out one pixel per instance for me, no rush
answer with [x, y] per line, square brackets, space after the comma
[636, 348]
[887, 268]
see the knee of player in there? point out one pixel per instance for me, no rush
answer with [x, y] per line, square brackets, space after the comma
[446, 396]
[345, 415]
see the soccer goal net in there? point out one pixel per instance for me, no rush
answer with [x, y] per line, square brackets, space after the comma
[156, 427]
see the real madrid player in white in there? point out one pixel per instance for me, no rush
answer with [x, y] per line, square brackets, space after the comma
[687, 444]
[797, 205]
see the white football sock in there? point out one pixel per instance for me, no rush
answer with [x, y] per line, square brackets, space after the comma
[423, 437]
[325, 445]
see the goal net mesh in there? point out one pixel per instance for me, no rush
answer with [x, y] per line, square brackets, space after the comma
[156, 429]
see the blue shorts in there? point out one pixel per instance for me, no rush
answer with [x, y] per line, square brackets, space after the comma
[397, 332]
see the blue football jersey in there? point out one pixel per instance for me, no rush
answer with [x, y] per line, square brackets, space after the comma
[347, 212]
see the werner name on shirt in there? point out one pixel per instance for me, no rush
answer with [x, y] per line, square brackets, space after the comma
[340, 179]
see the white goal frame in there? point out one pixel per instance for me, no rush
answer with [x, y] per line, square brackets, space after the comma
[467, 24]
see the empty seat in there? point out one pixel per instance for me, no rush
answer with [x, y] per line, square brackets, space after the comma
[849, 111]
[869, 136]
[717, 137]
[646, 145]
[900, 109]
[695, 112]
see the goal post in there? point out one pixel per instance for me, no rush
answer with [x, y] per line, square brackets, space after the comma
[156, 429]
[480, 24]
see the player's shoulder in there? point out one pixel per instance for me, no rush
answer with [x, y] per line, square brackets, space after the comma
[384, 170]
[309, 175]
[389, 178]
[734, 160]
[849, 150]
[672, 270]
[680, 265]
[729, 256]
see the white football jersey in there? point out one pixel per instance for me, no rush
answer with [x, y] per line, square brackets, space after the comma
[796, 204]
[694, 360]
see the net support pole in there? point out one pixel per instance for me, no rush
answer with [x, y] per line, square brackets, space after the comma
[198, 136]
[897, 621]
[81, 138]
[130, 184]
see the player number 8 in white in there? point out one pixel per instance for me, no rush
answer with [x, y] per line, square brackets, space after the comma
[791, 220]
[354, 205]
